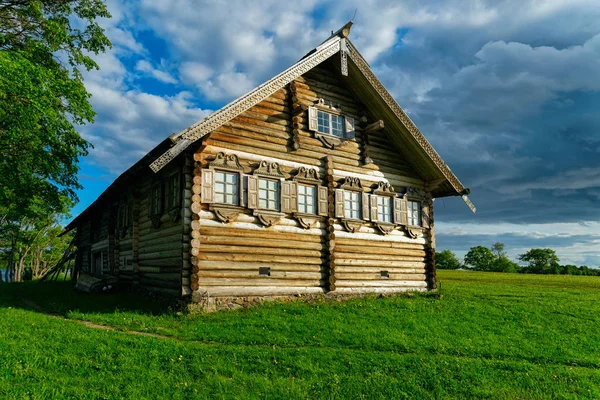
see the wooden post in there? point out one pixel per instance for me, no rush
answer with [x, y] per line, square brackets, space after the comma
[294, 104]
[330, 231]
[186, 219]
[430, 250]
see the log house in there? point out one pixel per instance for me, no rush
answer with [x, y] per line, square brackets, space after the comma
[316, 181]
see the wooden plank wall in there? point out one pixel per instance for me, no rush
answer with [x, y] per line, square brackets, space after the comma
[226, 256]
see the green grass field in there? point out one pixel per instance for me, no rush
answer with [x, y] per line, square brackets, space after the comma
[490, 336]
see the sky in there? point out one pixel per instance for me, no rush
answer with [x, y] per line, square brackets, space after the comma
[507, 92]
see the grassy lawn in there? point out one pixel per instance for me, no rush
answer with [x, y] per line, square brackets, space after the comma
[490, 336]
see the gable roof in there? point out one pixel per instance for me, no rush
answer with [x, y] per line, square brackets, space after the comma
[361, 80]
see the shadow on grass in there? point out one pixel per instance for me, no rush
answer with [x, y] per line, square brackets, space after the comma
[60, 298]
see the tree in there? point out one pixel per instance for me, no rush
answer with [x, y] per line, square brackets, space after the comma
[480, 258]
[541, 261]
[446, 260]
[503, 264]
[498, 250]
[43, 45]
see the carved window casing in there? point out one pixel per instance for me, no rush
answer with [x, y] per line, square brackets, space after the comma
[418, 211]
[351, 204]
[173, 196]
[387, 209]
[156, 203]
[311, 200]
[268, 193]
[222, 187]
[125, 215]
[329, 125]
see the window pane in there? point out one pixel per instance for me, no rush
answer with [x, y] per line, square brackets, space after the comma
[226, 187]
[384, 209]
[323, 122]
[268, 194]
[337, 125]
[306, 195]
[352, 205]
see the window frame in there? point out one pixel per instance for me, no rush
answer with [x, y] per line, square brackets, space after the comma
[383, 206]
[340, 119]
[358, 203]
[314, 195]
[239, 187]
[409, 213]
[277, 194]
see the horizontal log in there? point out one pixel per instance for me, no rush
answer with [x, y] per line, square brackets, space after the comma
[158, 269]
[254, 266]
[378, 277]
[162, 276]
[160, 283]
[154, 287]
[255, 275]
[152, 246]
[211, 248]
[382, 283]
[377, 269]
[160, 254]
[159, 233]
[378, 252]
[260, 258]
[385, 257]
[313, 162]
[378, 290]
[216, 291]
[397, 263]
[385, 242]
[260, 281]
[272, 241]
[254, 226]
[162, 262]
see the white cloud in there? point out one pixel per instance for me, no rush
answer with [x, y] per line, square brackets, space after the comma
[163, 76]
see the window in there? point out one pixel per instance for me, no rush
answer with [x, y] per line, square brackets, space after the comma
[268, 194]
[414, 213]
[330, 124]
[156, 205]
[306, 199]
[384, 209]
[172, 199]
[227, 187]
[352, 206]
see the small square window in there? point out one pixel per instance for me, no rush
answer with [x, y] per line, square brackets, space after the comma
[330, 124]
[352, 206]
[384, 209]
[414, 213]
[306, 199]
[268, 194]
[227, 187]
[172, 196]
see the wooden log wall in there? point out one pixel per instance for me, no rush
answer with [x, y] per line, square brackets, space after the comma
[159, 249]
[226, 257]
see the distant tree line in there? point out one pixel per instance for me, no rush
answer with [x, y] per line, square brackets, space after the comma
[494, 259]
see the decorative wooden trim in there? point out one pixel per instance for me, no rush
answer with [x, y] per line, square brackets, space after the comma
[224, 161]
[384, 189]
[307, 175]
[269, 170]
[351, 183]
[385, 227]
[351, 225]
[268, 218]
[238, 106]
[226, 214]
[306, 221]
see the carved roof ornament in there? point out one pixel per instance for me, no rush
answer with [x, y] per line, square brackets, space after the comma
[351, 183]
[307, 174]
[384, 188]
[228, 161]
[269, 169]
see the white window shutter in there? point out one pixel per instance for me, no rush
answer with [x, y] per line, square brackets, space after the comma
[208, 186]
[242, 190]
[322, 200]
[349, 123]
[365, 206]
[313, 123]
[252, 184]
[288, 197]
[373, 200]
[339, 203]
[425, 215]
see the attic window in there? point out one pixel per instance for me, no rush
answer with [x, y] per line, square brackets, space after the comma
[329, 125]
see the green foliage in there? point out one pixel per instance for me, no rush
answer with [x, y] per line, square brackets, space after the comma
[446, 260]
[528, 337]
[42, 46]
[480, 258]
[541, 261]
